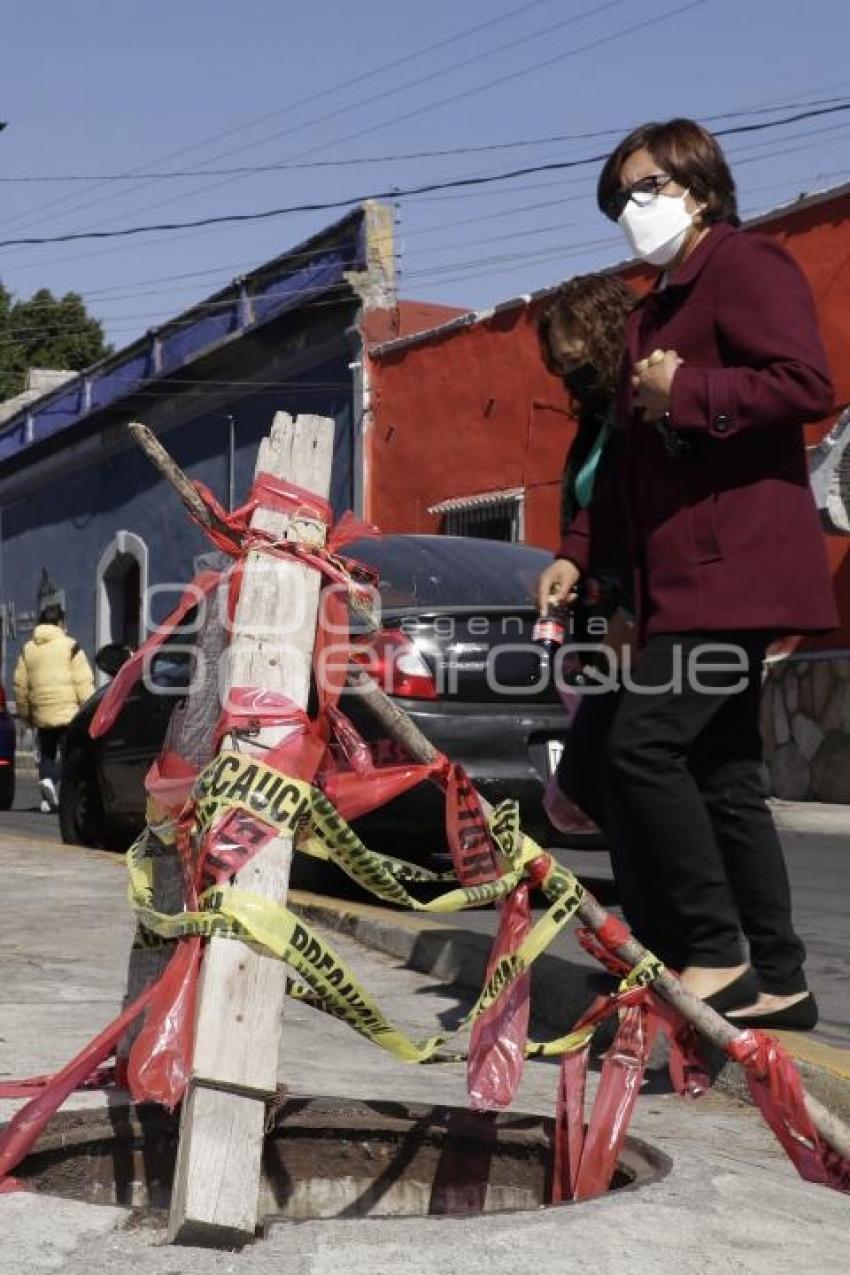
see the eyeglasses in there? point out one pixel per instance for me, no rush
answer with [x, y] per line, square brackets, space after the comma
[641, 193]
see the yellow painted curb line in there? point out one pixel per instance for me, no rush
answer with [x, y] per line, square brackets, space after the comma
[819, 1054]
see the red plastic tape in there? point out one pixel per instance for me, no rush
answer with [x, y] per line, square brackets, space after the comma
[497, 1046]
[473, 852]
[128, 675]
[777, 1089]
[160, 1060]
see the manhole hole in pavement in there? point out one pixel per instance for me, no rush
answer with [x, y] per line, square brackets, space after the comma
[328, 1157]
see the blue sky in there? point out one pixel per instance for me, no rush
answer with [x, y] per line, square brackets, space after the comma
[105, 87]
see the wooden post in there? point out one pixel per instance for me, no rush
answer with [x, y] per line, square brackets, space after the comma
[190, 735]
[240, 1002]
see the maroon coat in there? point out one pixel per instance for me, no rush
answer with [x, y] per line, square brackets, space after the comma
[726, 533]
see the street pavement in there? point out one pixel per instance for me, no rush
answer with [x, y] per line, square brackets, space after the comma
[730, 1204]
[816, 840]
[819, 867]
[25, 816]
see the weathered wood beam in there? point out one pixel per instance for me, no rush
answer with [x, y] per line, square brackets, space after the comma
[240, 1002]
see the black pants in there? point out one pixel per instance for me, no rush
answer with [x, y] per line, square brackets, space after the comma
[684, 777]
[584, 777]
[50, 739]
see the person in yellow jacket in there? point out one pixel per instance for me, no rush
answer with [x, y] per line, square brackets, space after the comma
[52, 679]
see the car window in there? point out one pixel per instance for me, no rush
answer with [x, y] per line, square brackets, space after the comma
[448, 571]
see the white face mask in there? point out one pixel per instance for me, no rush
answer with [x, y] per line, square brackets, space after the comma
[656, 231]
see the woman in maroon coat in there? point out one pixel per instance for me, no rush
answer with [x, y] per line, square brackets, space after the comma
[724, 367]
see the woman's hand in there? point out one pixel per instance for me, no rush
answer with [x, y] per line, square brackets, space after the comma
[652, 381]
[557, 584]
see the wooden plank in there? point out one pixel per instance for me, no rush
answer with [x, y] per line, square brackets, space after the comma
[240, 1003]
[219, 1120]
[190, 734]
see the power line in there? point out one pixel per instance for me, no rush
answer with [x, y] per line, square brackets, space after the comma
[330, 91]
[437, 152]
[391, 194]
[451, 197]
[473, 60]
[440, 274]
[350, 107]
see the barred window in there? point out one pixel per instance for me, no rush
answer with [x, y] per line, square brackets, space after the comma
[495, 515]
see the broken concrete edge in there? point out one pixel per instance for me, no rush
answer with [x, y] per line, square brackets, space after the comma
[561, 989]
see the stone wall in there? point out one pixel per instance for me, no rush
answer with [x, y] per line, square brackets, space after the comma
[805, 723]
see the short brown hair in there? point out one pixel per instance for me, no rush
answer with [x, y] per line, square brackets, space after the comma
[594, 307]
[690, 154]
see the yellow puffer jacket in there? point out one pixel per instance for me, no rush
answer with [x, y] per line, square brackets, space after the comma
[52, 678]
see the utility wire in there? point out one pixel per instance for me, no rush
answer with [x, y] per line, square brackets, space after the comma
[392, 193]
[327, 92]
[346, 110]
[439, 152]
[509, 47]
[452, 197]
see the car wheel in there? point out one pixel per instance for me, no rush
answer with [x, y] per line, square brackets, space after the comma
[81, 817]
[7, 787]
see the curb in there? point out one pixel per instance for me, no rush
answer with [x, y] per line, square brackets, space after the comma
[561, 989]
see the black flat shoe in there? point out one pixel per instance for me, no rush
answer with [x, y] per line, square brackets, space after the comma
[741, 991]
[802, 1016]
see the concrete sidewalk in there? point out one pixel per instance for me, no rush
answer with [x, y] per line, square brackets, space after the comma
[816, 839]
[731, 1203]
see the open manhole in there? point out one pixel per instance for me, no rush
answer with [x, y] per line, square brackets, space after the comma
[328, 1157]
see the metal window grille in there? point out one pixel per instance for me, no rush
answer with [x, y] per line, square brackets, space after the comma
[490, 516]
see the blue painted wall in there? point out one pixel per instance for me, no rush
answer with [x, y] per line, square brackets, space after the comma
[65, 524]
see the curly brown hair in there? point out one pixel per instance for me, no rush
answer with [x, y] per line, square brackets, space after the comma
[594, 309]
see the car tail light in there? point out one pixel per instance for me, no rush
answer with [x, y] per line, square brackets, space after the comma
[393, 661]
[2, 700]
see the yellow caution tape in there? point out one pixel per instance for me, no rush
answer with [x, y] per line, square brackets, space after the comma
[234, 782]
[294, 807]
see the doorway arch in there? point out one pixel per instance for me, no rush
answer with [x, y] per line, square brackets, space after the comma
[120, 589]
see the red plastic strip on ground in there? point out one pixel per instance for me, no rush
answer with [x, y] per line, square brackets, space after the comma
[31, 1085]
[26, 1125]
[497, 1046]
[777, 1090]
[572, 1144]
[128, 675]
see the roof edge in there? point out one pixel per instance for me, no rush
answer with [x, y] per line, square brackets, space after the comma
[473, 317]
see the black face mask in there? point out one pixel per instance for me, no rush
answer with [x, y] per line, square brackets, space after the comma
[583, 381]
